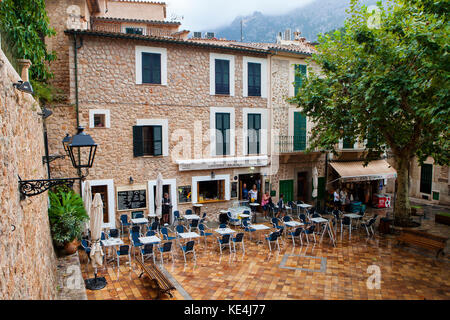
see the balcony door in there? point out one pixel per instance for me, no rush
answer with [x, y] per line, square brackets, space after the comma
[299, 131]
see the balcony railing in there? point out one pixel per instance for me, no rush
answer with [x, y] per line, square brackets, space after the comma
[291, 144]
[148, 31]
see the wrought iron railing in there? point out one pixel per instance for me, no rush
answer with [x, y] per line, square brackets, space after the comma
[291, 144]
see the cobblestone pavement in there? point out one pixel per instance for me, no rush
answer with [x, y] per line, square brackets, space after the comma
[310, 271]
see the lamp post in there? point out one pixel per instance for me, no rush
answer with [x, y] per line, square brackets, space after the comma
[81, 150]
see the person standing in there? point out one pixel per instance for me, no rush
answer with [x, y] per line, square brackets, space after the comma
[336, 199]
[342, 199]
[253, 194]
[281, 207]
[244, 192]
[166, 206]
[265, 203]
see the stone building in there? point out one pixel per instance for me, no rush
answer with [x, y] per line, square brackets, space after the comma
[156, 102]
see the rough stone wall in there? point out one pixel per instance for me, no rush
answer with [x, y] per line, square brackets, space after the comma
[27, 259]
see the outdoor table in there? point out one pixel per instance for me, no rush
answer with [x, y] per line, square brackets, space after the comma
[191, 217]
[152, 216]
[304, 206]
[352, 216]
[259, 227]
[139, 221]
[327, 228]
[235, 213]
[253, 206]
[189, 235]
[223, 231]
[112, 242]
[293, 224]
[150, 239]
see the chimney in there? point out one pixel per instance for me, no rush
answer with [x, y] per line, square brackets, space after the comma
[24, 64]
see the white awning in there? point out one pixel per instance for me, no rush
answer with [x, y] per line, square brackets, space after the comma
[221, 163]
[356, 171]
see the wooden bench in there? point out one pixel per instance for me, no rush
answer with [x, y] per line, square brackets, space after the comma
[153, 272]
[423, 239]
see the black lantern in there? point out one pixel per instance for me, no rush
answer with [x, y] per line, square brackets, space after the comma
[66, 142]
[82, 150]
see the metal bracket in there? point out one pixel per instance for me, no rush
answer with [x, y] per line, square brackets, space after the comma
[52, 158]
[29, 188]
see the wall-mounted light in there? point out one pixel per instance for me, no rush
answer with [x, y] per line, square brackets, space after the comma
[24, 86]
[131, 180]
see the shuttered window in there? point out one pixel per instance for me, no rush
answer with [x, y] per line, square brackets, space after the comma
[426, 178]
[147, 141]
[222, 68]
[254, 133]
[254, 79]
[151, 68]
[347, 143]
[299, 131]
[300, 73]
[222, 134]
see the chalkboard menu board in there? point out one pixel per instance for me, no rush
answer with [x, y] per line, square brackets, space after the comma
[132, 199]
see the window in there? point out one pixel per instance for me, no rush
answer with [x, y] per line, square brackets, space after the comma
[300, 73]
[347, 143]
[147, 141]
[254, 79]
[99, 120]
[299, 131]
[426, 177]
[222, 134]
[234, 190]
[151, 68]
[131, 30]
[211, 190]
[184, 194]
[254, 133]
[222, 70]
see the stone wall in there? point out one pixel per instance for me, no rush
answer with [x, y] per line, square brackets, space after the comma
[27, 259]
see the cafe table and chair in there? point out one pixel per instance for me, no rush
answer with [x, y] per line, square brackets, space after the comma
[303, 207]
[139, 221]
[111, 243]
[326, 228]
[258, 227]
[253, 206]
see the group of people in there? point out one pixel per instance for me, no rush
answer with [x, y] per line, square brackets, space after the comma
[341, 198]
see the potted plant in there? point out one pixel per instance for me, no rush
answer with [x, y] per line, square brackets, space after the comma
[67, 215]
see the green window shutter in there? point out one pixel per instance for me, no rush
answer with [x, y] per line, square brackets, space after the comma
[254, 133]
[157, 140]
[321, 188]
[347, 143]
[299, 131]
[138, 143]
[151, 68]
[426, 178]
[222, 76]
[222, 133]
[300, 73]
[254, 79]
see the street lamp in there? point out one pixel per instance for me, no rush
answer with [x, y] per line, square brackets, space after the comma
[81, 149]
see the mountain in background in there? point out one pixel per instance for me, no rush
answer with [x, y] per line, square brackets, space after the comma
[317, 17]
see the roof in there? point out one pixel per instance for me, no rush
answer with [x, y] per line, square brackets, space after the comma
[303, 48]
[355, 170]
[171, 40]
[109, 19]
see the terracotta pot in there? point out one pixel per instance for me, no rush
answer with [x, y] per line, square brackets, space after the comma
[71, 247]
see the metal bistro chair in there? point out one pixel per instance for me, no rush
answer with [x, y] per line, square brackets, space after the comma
[188, 212]
[346, 221]
[273, 238]
[297, 234]
[165, 249]
[239, 239]
[275, 224]
[177, 218]
[123, 252]
[224, 241]
[135, 242]
[289, 207]
[124, 223]
[165, 234]
[188, 248]
[247, 228]
[179, 229]
[147, 251]
[114, 233]
[193, 225]
[369, 225]
[231, 220]
[309, 231]
[86, 248]
[150, 233]
[202, 228]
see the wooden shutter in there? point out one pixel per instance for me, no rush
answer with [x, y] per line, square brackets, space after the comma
[151, 68]
[138, 143]
[254, 133]
[347, 143]
[157, 140]
[254, 79]
[300, 72]
[222, 76]
[426, 178]
[222, 133]
[299, 131]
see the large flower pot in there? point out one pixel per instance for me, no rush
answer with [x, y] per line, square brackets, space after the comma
[71, 247]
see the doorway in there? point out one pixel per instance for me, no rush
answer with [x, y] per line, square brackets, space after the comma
[166, 189]
[103, 191]
[301, 186]
[287, 190]
[249, 180]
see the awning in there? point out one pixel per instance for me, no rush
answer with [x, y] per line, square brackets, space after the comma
[221, 163]
[355, 170]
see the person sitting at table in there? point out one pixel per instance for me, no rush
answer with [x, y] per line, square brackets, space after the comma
[253, 194]
[265, 203]
[281, 206]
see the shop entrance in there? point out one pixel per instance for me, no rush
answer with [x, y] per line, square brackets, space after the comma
[249, 180]
[103, 190]
[301, 186]
[166, 189]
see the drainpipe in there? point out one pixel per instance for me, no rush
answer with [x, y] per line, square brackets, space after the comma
[75, 57]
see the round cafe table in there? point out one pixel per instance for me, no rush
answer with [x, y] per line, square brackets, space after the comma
[253, 206]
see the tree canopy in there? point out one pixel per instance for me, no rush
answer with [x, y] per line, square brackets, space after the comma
[384, 79]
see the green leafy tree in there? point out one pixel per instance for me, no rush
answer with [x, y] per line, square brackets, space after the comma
[24, 25]
[385, 79]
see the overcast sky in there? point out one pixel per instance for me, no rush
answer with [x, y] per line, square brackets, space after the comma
[209, 14]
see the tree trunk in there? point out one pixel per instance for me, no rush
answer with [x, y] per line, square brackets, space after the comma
[402, 209]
